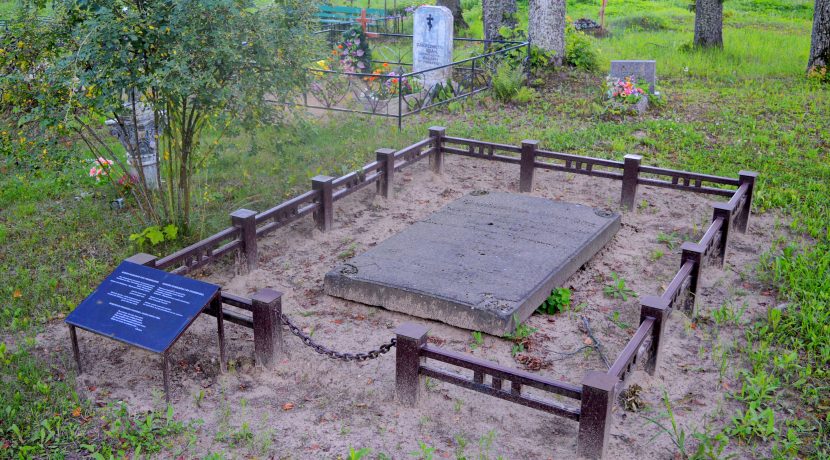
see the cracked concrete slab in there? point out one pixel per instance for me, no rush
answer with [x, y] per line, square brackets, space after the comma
[480, 263]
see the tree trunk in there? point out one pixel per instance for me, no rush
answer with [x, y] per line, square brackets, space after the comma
[709, 23]
[457, 14]
[497, 14]
[546, 26]
[820, 47]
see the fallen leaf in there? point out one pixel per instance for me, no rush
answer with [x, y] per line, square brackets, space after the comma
[76, 412]
[287, 406]
[588, 341]
[17, 294]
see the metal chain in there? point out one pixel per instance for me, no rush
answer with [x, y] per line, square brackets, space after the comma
[371, 354]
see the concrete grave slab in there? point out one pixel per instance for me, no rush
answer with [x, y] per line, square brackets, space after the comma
[478, 261]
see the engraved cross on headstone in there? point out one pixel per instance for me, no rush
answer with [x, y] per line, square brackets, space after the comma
[429, 21]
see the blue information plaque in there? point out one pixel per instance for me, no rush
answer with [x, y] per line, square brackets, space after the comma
[143, 306]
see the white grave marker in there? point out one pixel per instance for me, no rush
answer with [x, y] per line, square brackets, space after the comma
[432, 43]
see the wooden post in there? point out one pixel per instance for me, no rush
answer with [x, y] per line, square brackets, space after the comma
[76, 352]
[216, 305]
[386, 158]
[436, 160]
[141, 258]
[165, 374]
[324, 216]
[742, 221]
[527, 165]
[692, 252]
[595, 413]
[245, 221]
[725, 211]
[410, 338]
[267, 309]
[657, 308]
[631, 172]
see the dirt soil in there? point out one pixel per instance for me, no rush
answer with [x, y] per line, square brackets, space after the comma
[315, 407]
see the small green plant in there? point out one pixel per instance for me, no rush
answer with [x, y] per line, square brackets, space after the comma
[443, 92]
[754, 422]
[558, 301]
[358, 454]
[506, 81]
[525, 95]
[520, 336]
[348, 253]
[672, 240]
[656, 255]
[155, 234]
[727, 313]
[522, 331]
[461, 442]
[617, 289]
[675, 432]
[478, 340]
[615, 318]
[424, 452]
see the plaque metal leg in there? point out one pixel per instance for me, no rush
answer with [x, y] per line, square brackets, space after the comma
[73, 335]
[165, 371]
[220, 323]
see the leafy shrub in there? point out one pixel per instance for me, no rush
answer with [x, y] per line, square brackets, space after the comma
[579, 51]
[506, 81]
[539, 58]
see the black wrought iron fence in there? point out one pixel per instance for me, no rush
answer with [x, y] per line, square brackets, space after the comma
[390, 87]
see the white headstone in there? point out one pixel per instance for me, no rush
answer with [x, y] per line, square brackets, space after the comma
[432, 43]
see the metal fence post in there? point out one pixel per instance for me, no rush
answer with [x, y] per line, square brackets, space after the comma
[436, 160]
[527, 165]
[267, 309]
[148, 260]
[725, 211]
[595, 414]
[410, 338]
[324, 216]
[657, 308]
[742, 221]
[692, 252]
[245, 220]
[631, 173]
[386, 158]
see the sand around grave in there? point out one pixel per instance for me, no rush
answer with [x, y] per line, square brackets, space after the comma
[312, 407]
[482, 262]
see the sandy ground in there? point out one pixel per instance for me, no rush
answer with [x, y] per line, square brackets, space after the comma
[314, 407]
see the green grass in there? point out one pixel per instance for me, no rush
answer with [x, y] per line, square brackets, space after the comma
[746, 107]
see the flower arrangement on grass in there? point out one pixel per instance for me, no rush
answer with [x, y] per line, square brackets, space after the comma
[100, 168]
[624, 96]
[384, 84]
[355, 54]
[624, 90]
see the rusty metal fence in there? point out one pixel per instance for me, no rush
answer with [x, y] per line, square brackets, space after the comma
[595, 397]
